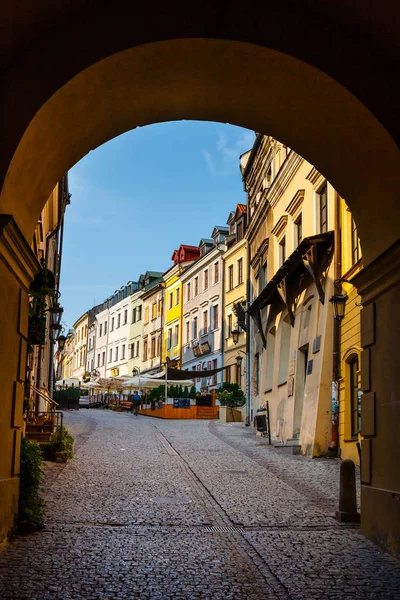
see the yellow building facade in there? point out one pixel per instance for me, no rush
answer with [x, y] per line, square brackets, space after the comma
[350, 341]
[172, 341]
[235, 282]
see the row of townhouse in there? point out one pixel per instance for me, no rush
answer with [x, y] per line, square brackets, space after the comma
[302, 242]
[253, 298]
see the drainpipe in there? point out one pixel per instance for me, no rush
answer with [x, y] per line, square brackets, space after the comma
[333, 448]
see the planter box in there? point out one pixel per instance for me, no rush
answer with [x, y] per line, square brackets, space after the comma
[230, 415]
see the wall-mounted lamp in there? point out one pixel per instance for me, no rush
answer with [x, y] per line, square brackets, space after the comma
[339, 304]
[61, 342]
[235, 334]
[239, 360]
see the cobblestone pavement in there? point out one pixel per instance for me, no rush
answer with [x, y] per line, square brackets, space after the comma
[190, 509]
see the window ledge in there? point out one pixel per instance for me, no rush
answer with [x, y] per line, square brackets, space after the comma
[283, 383]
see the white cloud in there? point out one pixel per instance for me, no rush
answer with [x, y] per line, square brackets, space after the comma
[227, 152]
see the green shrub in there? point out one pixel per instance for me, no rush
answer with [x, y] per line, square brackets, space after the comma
[31, 505]
[230, 394]
[60, 447]
[72, 395]
[157, 394]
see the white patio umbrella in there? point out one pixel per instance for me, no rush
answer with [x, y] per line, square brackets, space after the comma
[142, 382]
[75, 381]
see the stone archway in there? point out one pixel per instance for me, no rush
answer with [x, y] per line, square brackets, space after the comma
[263, 73]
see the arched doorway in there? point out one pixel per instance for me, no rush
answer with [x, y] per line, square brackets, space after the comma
[106, 81]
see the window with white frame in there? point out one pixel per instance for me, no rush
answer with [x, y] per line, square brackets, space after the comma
[188, 291]
[110, 356]
[215, 316]
[322, 208]
[187, 326]
[116, 352]
[216, 272]
[286, 330]
[118, 320]
[122, 351]
[100, 329]
[240, 271]
[169, 338]
[298, 229]
[195, 328]
[125, 317]
[196, 286]
[282, 250]
[205, 321]
[270, 359]
[205, 279]
[230, 277]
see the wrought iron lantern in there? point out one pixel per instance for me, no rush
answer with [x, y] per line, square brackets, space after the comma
[339, 304]
[235, 334]
[55, 331]
[61, 342]
[239, 360]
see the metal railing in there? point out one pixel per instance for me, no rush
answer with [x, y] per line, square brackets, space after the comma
[46, 421]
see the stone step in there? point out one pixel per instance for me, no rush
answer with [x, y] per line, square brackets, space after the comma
[288, 448]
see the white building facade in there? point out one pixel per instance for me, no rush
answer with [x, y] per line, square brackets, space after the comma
[119, 331]
[152, 297]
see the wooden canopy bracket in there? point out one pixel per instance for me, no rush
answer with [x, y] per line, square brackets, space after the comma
[282, 288]
[311, 264]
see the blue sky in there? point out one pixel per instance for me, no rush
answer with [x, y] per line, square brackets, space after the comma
[138, 197]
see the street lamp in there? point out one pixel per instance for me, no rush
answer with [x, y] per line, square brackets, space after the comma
[339, 304]
[235, 334]
[54, 331]
[135, 371]
[239, 360]
[61, 342]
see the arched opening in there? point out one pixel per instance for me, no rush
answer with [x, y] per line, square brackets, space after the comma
[238, 82]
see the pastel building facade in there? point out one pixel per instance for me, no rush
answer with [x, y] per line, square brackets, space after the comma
[152, 297]
[119, 331]
[290, 233]
[235, 265]
[80, 348]
[172, 342]
[202, 322]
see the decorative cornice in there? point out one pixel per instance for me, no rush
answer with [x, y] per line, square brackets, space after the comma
[295, 203]
[379, 276]
[313, 176]
[284, 177]
[16, 253]
[280, 226]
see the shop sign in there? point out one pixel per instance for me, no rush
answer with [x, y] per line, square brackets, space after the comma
[115, 372]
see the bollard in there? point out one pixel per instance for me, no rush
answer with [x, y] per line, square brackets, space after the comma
[347, 512]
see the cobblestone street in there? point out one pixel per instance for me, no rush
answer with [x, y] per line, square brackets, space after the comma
[190, 509]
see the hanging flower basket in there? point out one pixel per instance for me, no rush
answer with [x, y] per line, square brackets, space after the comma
[36, 330]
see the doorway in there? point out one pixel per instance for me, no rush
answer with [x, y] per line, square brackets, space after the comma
[301, 375]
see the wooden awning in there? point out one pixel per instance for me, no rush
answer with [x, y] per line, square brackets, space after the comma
[308, 263]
